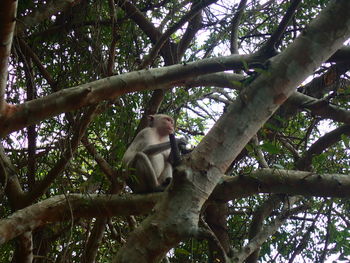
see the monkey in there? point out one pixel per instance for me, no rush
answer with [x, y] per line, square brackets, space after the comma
[147, 160]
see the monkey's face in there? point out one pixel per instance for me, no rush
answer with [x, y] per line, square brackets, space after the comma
[164, 124]
[169, 124]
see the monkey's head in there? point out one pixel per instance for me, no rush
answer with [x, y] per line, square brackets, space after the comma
[163, 123]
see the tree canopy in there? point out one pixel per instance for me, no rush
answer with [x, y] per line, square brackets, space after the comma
[260, 89]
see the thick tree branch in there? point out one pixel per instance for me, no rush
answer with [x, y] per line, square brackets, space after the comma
[66, 207]
[109, 88]
[70, 99]
[320, 107]
[24, 248]
[224, 80]
[342, 55]
[216, 217]
[317, 107]
[59, 208]
[257, 102]
[7, 25]
[277, 181]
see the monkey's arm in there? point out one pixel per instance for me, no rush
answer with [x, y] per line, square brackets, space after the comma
[161, 147]
[156, 148]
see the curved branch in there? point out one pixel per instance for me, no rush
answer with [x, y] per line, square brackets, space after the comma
[61, 207]
[274, 40]
[317, 107]
[320, 107]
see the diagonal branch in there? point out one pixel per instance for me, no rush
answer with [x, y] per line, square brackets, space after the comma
[322, 144]
[135, 14]
[258, 101]
[269, 230]
[111, 173]
[30, 53]
[259, 216]
[193, 26]
[302, 244]
[9, 179]
[317, 107]
[275, 39]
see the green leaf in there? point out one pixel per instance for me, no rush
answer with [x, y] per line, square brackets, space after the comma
[346, 140]
[182, 251]
[277, 166]
[270, 148]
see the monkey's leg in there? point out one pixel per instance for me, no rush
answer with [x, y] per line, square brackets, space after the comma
[145, 177]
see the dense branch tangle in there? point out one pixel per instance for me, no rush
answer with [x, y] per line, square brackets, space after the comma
[83, 73]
